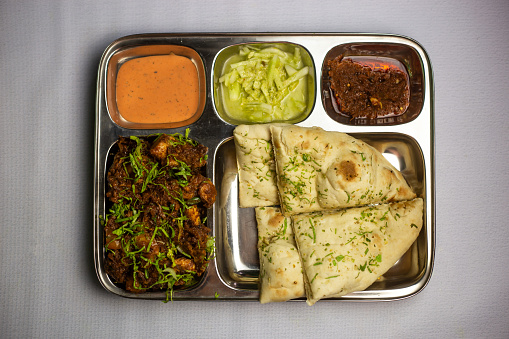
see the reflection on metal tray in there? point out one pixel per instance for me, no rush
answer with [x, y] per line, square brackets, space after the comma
[407, 142]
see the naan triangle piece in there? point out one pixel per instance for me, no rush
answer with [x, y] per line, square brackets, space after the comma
[347, 250]
[320, 170]
[281, 276]
[255, 161]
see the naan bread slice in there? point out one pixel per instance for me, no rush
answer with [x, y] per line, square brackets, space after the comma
[319, 170]
[255, 161]
[281, 276]
[347, 250]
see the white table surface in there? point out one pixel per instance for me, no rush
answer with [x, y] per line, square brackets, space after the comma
[49, 54]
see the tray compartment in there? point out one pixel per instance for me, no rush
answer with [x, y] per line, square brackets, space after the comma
[112, 286]
[124, 54]
[229, 55]
[401, 54]
[236, 229]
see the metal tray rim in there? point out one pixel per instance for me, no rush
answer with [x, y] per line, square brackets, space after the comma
[104, 126]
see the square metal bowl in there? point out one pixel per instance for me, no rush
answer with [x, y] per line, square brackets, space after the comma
[126, 53]
[229, 55]
[404, 54]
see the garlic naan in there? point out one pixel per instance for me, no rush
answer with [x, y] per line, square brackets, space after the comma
[347, 250]
[255, 161]
[320, 170]
[281, 276]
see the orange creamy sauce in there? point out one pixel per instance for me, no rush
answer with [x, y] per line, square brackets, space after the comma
[157, 89]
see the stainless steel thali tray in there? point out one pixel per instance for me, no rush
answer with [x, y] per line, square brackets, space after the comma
[408, 143]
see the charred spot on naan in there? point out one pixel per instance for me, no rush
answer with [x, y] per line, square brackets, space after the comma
[275, 221]
[347, 169]
[346, 173]
[399, 192]
[305, 136]
[376, 240]
[281, 294]
[407, 191]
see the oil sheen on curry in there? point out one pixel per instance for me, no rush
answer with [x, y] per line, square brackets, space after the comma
[157, 89]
